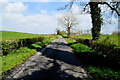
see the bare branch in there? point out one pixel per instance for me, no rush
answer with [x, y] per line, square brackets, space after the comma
[112, 8]
[85, 7]
[68, 21]
[69, 6]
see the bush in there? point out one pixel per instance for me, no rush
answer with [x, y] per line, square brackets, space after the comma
[35, 46]
[39, 45]
[106, 48]
[109, 50]
[78, 48]
[8, 46]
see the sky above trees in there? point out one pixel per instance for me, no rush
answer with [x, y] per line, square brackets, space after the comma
[41, 17]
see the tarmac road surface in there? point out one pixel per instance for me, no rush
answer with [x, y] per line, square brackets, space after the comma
[55, 62]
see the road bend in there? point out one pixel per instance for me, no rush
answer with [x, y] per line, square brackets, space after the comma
[55, 62]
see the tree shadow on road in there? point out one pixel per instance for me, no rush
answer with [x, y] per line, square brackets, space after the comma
[58, 52]
[61, 55]
[53, 73]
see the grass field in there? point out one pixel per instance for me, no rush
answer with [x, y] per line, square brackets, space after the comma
[9, 35]
[113, 38]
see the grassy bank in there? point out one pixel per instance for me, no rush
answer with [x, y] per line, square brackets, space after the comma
[99, 66]
[9, 35]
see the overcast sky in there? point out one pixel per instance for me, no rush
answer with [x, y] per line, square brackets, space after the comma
[41, 17]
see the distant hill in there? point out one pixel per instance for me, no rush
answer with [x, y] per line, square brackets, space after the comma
[8, 35]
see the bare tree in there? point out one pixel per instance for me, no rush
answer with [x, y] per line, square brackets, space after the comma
[68, 21]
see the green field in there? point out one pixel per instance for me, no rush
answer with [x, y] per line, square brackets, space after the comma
[113, 38]
[9, 35]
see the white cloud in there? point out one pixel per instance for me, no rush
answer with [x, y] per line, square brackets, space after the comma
[38, 23]
[110, 22]
[4, 1]
[15, 20]
[36, 0]
[43, 11]
[75, 9]
[14, 7]
[44, 0]
[85, 21]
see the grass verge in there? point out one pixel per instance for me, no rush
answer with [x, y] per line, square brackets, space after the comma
[95, 62]
[22, 54]
[15, 58]
[38, 46]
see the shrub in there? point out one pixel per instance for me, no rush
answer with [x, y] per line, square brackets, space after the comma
[35, 46]
[106, 47]
[80, 40]
[39, 45]
[80, 48]
[9, 45]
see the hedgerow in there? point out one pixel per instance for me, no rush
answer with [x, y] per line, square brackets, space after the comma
[9, 45]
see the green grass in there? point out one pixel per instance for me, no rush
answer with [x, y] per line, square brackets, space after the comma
[70, 41]
[79, 47]
[10, 35]
[81, 36]
[113, 38]
[15, 58]
[40, 45]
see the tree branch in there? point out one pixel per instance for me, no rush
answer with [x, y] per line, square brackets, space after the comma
[67, 6]
[112, 8]
[85, 7]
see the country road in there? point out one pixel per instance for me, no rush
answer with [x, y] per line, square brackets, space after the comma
[55, 62]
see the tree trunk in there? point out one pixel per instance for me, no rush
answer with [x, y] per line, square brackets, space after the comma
[96, 20]
[68, 30]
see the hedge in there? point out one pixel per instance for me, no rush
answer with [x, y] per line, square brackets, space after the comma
[108, 50]
[9, 45]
